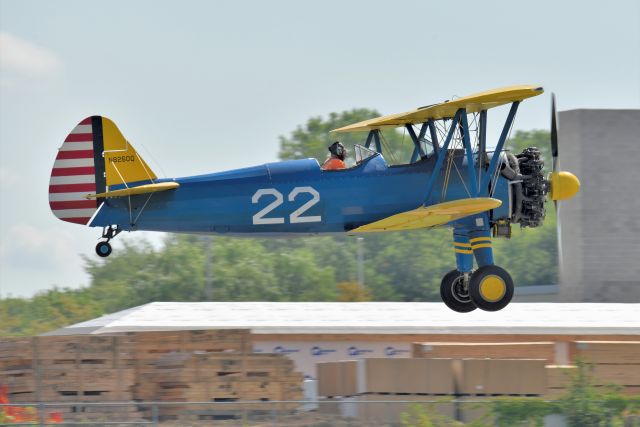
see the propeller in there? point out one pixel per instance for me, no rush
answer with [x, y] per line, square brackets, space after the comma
[554, 132]
[554, 143]
[564, 185]
[554, 163]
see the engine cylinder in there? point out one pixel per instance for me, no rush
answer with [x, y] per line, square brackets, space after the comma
[533, 190]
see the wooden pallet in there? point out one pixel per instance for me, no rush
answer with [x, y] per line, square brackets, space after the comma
[216, 366]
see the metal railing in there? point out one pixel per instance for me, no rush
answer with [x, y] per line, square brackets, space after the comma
[361, 411]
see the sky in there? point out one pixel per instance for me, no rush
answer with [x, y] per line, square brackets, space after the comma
[204, 86]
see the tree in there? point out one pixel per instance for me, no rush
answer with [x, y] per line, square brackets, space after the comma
[352, 292]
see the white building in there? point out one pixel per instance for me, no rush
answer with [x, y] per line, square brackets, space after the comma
[319, 332]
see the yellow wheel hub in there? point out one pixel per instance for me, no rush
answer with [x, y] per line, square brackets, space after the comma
[492, 288]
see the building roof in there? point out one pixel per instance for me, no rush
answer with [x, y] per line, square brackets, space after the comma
[367, 318]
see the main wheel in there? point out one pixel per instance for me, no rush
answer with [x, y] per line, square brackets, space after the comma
[491, 288]
[455, 294]
[103, 249]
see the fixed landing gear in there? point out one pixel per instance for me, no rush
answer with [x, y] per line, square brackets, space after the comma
[103, 248]
[489, 288]
[454, 291]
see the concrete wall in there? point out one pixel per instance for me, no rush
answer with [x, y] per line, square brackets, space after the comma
[600, 227]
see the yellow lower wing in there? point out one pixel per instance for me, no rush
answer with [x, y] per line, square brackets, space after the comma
[431, 216]
[141, 189]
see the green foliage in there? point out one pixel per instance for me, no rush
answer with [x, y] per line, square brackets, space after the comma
[522, 412]
[587, 406]
[583, 405]
[46, 311]
[426, 415]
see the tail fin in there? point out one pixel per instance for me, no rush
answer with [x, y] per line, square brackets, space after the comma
[94, 157]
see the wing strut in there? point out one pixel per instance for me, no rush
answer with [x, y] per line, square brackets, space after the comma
[374, 135]
[484, 185]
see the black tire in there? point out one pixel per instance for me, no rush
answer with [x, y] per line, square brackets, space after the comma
[453, 293]
[103, 249]
[491, 288]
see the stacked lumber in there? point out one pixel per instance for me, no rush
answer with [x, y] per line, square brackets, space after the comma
[606, 352]
[224, 378]
[210, 366]
[558, 379]
[500, 377]
[58, 369]
[436, 377]
[607, 362]
[70, 369]
[499, 350]
[385, 379]
[208, 377]
[386, 376]
[421, 379]
[151, 347]
[176, 366]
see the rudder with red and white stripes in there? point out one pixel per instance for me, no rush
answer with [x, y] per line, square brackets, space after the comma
[78, 170]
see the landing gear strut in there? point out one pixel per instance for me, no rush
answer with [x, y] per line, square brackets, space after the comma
[489, 287]
[103, 248]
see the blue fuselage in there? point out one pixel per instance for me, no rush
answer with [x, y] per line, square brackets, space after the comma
[292, 197]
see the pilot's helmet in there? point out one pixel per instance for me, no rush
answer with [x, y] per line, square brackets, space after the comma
[338, 150]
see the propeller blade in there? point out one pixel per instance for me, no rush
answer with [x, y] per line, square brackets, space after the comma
[559, 234]
[554, 133]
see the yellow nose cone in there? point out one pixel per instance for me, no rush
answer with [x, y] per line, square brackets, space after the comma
[564, 185]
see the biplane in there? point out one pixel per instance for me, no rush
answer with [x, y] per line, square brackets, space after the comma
[453, 179]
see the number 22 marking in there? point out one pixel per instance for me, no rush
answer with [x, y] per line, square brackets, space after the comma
[296, 216]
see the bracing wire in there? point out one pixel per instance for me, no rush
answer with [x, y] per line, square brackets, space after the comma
[387, 147]
[164, 174]
[501, 160]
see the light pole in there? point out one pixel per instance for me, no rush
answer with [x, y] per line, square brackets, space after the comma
[208, 271]
[360, 255]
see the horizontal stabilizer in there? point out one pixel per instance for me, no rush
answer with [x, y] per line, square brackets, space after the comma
[446, 110]
[431, 216]
[141, 189]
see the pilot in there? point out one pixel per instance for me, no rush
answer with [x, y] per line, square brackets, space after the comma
[336, 160]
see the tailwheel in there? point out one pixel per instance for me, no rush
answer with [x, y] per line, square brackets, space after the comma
[491, 288]
[103, 249]
[455, 292]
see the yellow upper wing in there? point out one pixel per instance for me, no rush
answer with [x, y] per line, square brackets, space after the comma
[431, 216]
[445, 110]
